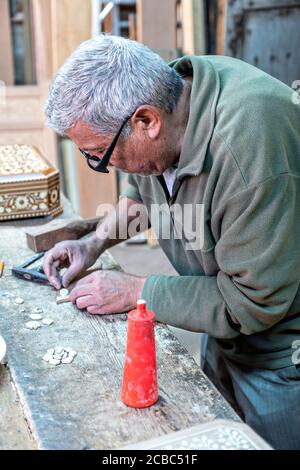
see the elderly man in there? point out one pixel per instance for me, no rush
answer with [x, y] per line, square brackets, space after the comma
[212, 133]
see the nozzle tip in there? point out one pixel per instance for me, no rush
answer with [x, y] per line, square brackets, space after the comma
[141, 305]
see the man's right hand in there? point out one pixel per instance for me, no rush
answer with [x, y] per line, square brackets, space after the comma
[75, 255]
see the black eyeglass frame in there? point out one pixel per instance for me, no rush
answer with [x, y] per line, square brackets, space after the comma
[101, 167]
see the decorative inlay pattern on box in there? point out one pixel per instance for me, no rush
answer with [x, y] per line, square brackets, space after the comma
[36, 201]
[29, 185]
[216, 439]
[20, 159]
[214, 435]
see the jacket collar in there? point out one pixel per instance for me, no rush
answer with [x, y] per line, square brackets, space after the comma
[201, 122]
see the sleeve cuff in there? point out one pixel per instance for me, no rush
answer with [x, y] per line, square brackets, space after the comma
[151, 294]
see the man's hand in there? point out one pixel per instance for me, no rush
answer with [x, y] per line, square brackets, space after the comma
[75, 255]
[106, 292]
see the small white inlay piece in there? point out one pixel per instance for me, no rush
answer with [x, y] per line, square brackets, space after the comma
[63, 292]
[35, 316]
[33, 325]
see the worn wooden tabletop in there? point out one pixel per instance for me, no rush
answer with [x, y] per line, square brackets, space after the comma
[77, 405]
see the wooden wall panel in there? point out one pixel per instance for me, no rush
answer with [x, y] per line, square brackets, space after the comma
[22, 116]
[41, 17]
[220, 42]
[71, 25]
[156, 23]
[265, 33]
[22, 120]
[193, 26]
[6, 55]
[23, 108]
[59, 26]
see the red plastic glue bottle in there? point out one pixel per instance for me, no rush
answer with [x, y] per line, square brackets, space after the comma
[139, 387]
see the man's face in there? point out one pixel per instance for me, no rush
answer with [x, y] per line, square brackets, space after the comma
[137, 154]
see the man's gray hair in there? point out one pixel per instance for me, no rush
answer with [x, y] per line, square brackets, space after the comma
[105, 80]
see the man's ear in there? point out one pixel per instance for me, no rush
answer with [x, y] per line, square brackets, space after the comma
[147, 119]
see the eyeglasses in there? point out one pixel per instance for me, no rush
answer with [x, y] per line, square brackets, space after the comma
[100, 165]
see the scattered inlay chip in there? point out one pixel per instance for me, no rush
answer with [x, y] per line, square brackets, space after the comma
[33, 325]
[47, 321]
[35, 316]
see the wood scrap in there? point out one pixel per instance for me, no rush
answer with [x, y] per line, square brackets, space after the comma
[43, 238]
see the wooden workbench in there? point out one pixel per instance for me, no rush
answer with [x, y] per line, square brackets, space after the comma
[78, 406]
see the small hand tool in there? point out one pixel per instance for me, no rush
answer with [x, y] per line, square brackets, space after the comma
[35, 274]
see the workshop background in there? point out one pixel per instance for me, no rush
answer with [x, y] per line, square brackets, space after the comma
[36, 36]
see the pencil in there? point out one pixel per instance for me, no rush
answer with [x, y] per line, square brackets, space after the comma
[1, 268]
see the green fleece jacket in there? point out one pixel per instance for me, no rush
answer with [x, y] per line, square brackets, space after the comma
[241, 160]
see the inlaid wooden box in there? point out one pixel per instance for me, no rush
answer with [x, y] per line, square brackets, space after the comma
[29, 185]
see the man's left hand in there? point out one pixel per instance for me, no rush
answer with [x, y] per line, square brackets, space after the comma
[106, 292]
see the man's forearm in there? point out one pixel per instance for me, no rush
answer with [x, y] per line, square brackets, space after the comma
[114, 227]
